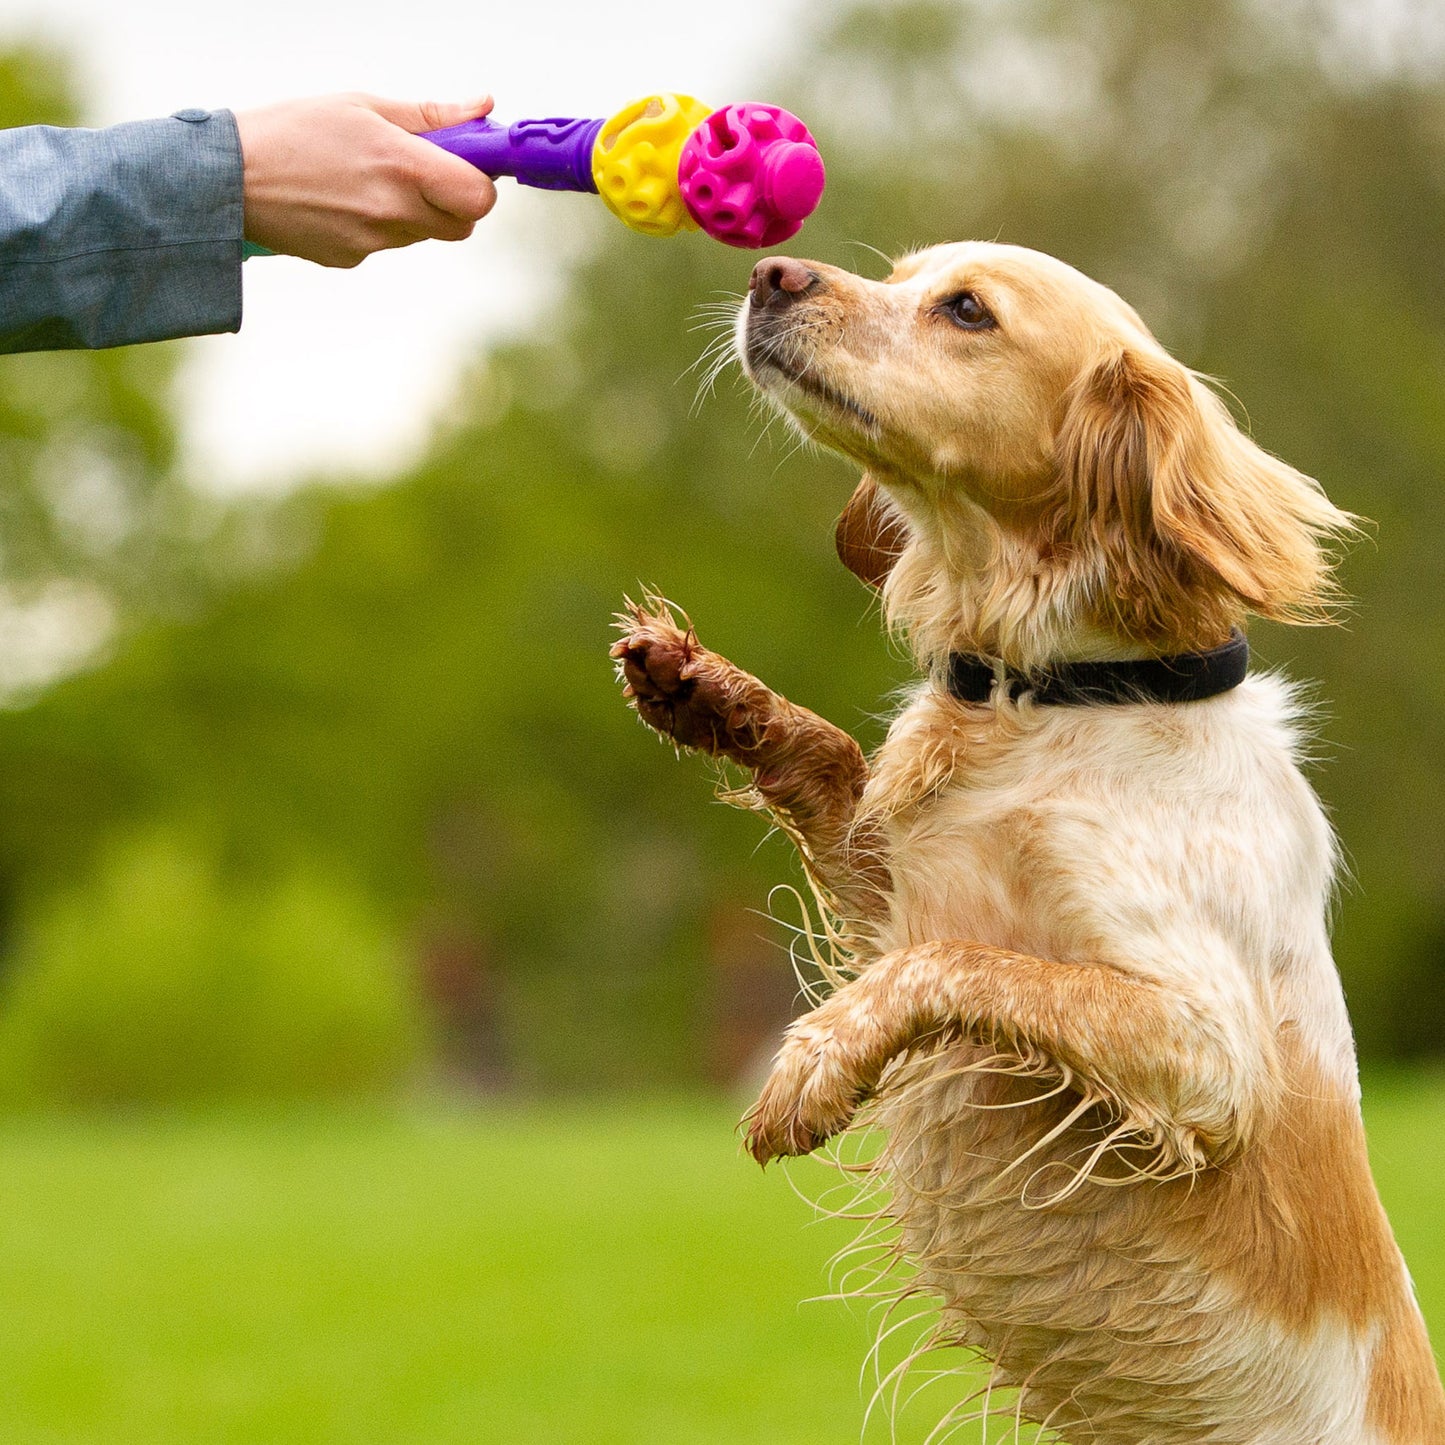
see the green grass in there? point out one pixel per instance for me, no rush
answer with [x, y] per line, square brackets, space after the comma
[581, 1276]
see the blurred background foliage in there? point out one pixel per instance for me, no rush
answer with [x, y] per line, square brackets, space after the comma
[346, 779]
[158, 982]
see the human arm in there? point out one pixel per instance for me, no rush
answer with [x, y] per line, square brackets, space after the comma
[133, 233]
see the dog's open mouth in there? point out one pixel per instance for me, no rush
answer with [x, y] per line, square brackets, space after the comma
[765, 350]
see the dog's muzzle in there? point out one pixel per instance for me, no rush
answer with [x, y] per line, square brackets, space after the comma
[777, 285]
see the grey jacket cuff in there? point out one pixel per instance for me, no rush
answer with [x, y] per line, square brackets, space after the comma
[127, 234]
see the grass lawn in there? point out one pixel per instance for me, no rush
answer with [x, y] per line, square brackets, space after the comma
[582, 1276]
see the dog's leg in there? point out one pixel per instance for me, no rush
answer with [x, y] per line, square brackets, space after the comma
[1162, 1061]
[806, 772]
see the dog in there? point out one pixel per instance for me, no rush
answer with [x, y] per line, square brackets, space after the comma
[1081, 891]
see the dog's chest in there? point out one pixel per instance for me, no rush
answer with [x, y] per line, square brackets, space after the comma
[973, 808]
[1120, 833]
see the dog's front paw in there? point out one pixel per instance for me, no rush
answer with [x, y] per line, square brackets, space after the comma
[811, 1094]
[677, 686]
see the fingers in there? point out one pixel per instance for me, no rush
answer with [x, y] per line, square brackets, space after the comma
[446, 182]
[419, 115]
[450, 185]
[426, 222]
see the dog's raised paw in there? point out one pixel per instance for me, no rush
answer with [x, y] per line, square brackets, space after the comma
[654, 653]
[678, 687]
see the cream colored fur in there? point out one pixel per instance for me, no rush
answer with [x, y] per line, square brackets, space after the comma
[1094, 1009]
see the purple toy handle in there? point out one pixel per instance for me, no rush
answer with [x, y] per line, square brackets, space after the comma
[549, 155]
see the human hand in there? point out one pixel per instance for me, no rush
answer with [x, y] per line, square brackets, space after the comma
[336, 177]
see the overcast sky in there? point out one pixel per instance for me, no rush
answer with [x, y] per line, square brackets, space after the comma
[347, 368]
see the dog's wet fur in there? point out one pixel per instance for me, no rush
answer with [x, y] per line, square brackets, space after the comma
[1088, 995]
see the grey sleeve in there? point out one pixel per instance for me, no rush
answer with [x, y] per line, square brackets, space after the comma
[132, 233]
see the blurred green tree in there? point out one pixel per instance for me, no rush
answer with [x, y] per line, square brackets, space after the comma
[159, 981]
[424, 701]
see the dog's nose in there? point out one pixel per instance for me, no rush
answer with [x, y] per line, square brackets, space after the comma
[778, 281]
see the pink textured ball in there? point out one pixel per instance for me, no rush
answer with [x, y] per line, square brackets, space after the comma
[751, 175]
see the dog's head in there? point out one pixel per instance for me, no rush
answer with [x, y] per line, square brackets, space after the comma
[1040, 475]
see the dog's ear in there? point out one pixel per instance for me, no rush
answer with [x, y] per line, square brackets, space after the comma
[870, 536]
[1194, 520]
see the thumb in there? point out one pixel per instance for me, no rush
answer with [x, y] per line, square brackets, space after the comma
[421, 115]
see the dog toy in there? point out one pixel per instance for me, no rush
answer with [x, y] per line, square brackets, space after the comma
[748, 175]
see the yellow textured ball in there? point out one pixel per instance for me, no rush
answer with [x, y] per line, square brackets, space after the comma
[635, 159]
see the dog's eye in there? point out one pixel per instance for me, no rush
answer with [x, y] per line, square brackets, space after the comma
[967, 311]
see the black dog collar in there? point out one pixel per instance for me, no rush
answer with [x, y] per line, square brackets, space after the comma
[1187, 677]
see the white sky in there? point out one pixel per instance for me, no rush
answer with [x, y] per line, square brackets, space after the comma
[345, 369]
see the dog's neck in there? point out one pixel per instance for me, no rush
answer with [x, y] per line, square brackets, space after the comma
[967, 584]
